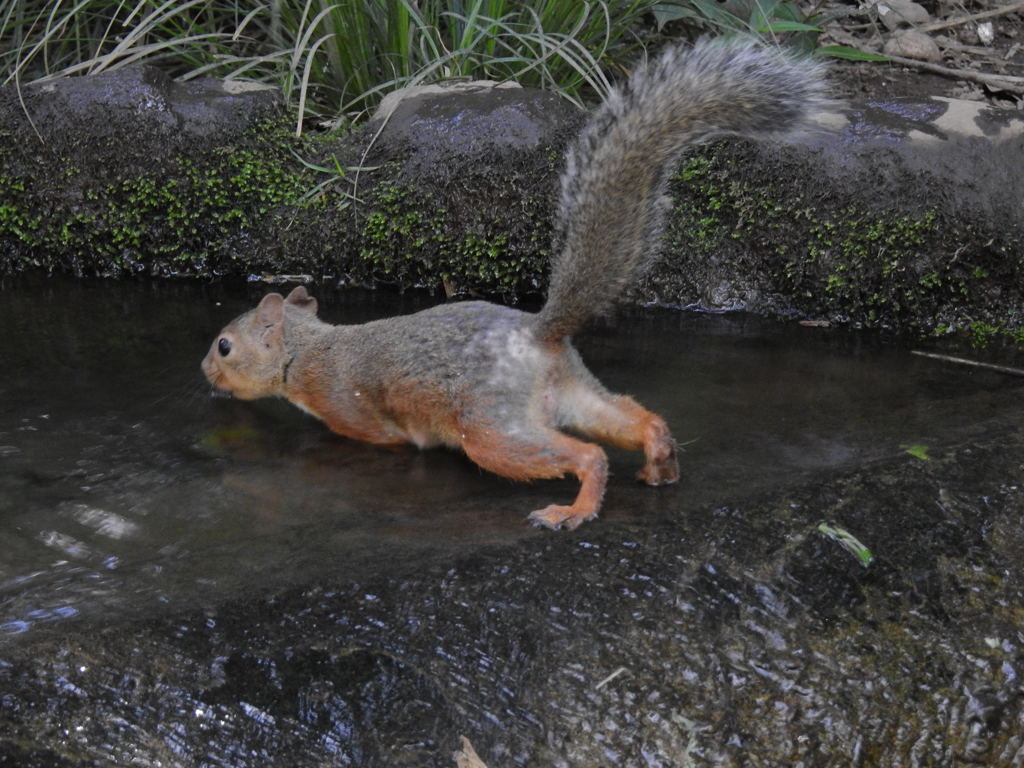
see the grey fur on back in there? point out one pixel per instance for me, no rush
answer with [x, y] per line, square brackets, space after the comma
[612, 204]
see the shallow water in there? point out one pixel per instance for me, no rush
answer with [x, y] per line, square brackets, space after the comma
[127, 489]
[190, 580]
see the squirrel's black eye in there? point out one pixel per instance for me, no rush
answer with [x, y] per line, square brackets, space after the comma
[224, 347]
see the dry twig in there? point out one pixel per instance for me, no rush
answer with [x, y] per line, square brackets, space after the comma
[1019, 6]
[973, 363]
[1001, 82]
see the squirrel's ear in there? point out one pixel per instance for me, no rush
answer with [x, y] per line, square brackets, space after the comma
[299, 298]
[270, 311]
[269, 320]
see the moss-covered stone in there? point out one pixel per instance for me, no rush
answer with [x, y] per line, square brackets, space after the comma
[191, 213]
[263, 202]
[461, 195]
[410, 237]
[764, 241]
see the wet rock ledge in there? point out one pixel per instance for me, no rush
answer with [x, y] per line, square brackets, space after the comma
[737, 635]
[907, 216]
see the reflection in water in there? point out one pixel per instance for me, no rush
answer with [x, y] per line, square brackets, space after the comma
[125, 487]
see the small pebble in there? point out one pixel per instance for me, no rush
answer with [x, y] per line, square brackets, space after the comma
[912, 44]
[901, 13]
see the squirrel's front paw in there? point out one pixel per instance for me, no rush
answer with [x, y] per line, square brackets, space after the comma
[663, 472]
[555, 516]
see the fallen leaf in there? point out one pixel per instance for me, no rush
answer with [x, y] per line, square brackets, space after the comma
[467, 756]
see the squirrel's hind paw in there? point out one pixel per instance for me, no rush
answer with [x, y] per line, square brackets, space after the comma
[555, 516]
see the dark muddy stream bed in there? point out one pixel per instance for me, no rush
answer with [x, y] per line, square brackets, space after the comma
[188, 580]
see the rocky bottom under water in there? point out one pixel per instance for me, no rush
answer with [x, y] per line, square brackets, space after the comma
[742, 636]
[184, 581]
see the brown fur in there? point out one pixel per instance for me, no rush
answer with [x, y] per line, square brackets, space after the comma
[470, 375]
[502, 385]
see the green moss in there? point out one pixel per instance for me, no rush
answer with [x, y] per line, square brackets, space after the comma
[873, 267]
[411, 234]
[269, 203]
[183, 216]
[249, 208]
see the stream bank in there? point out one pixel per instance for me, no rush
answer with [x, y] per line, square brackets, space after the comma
[903, 217]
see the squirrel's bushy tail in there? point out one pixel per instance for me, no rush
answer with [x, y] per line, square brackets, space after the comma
[611, 208]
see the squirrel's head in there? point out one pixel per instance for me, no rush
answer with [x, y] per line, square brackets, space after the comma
[249, 358]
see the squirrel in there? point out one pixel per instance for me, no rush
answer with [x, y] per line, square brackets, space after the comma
[506, 386]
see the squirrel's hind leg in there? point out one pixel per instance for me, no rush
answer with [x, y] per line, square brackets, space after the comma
[621, 421]
[542, 453]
